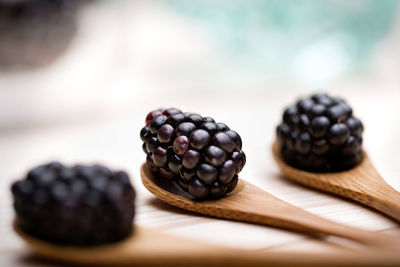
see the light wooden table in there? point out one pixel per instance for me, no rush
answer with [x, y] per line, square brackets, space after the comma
[115, 141]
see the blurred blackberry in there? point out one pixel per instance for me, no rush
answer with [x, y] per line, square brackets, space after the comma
[202, 156]
[320, 134]
[80, 205]
[35, 32]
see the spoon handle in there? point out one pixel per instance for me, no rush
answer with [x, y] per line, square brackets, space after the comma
[248, 203]
[149, 247]
[260, 207]
[377, 194]
[369, 188]
[362, 184]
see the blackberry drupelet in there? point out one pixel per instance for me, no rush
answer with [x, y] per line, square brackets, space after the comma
[202, 156]
[80, 205]
[320, 134]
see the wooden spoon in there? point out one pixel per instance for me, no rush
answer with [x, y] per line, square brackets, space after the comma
[361, 183]
[150, 247]
[249, 203]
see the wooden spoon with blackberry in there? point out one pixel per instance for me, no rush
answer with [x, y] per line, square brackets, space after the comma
[319, 145]
[84, 215]
[193, 163]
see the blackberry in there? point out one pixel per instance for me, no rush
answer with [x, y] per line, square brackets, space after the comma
[35, 33]
[79, 205]
[200, 155]
[320, 134]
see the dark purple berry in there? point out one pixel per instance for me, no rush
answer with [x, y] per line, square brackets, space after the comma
[23, 188]
[232, 185]
[351, 147]
[227, 171]
[224, 141]
[80, 206]
[145, 133]
[283, 132]
[201, 156]
[152, 144]
[185, 128]
[175, 164]
[150, 164]
[290, 116]
[199, 139]
[207, 173]
[319, 126]
[165, 133]
[208, 119]
[198, 189]
[323, 99]
[156, 123]
[303, 143]
[189, 174]
[239, 159]
[160, 156]
[317, 110]
[339, 113]
[317, 96]
[210, 127]
[196, 119]
[320, 147]
[67, 174]
[176, 119]
[352, 160]
[167, 174]
[304, 122]
[291, 141]
[319, 134]
[171, 111]
[55, 166]
[183, 183]
[338, 134]
[153, 115]
[236, 139]
[222, 127]
[217, 189]
[355, 126]
[190, 159]
[214, 155]
[305, 105]
[181, 145]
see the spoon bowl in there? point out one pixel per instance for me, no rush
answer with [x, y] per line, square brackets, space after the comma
[362, 184]
[139, 248]
[248, 203]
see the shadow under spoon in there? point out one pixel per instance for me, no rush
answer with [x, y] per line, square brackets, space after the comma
[151, 247]
[248, 203]
[362, 184]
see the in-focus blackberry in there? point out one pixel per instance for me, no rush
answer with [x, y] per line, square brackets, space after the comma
[80, 205]
[320, 134]
[202, 156]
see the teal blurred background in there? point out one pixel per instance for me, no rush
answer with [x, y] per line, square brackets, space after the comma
[293, 39]
[102, 56]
